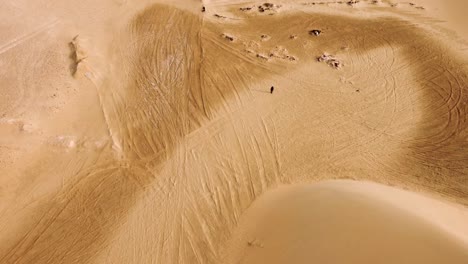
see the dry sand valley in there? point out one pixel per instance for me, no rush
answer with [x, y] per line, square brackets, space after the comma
[150, 131]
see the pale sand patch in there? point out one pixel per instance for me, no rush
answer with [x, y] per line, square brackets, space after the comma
[349, 222]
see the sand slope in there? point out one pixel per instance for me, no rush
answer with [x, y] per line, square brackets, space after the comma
[349, 222]
[141, 132]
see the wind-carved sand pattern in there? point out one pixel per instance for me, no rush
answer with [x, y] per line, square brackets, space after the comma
[175, 88]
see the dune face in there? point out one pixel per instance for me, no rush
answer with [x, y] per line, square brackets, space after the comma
[343, 222]
[142, 132]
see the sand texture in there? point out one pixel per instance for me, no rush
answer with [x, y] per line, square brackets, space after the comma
[233, 131]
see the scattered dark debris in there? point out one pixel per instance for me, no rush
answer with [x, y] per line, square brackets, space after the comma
[318, 3]
[315, 32]
[254, 242]
[244, 9]
[281, 53]
[411, 4]
[268, 7]
[265, 37]
[357, 90]
[420, 7]
[293, 37]
[262, 56]
[349, 2]
[219, 16]
[203, 9]
[276, 53]
[335, 64]
[352, 2]
[228, 37]
[330, 60]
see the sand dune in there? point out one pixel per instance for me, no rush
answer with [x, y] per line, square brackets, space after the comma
[344, 221]
[142, 132]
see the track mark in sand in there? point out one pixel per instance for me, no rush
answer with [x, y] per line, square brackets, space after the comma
[19, 40]
[85, 212]
[439, 139]
[272, 139]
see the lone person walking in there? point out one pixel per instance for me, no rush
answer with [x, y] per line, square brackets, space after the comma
[272, 89]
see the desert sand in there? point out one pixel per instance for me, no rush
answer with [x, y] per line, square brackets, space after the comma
[145, 131]
[349, 222]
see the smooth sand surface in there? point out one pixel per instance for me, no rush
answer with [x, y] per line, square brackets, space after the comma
[451, 14]
[349, 222]
[142, 131]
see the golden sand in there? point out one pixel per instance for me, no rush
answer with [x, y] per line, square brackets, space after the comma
[145, 131]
